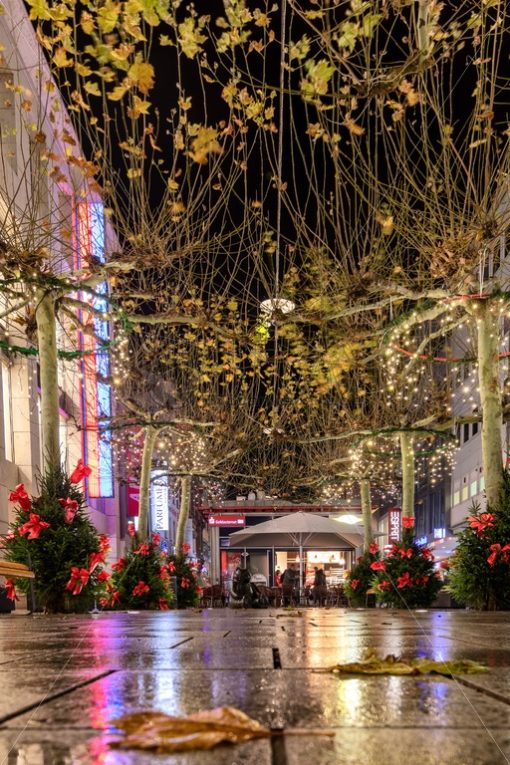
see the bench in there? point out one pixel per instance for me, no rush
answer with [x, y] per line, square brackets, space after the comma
[13, 570]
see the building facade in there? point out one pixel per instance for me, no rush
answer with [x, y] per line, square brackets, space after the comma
[46, 213]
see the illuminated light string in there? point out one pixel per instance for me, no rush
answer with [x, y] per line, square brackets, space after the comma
[443, 359]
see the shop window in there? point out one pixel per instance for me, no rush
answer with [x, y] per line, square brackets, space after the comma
[482, 483]
[474, 429]
[7, 412]
[465, 436]
[465, 489]
[456, 498]
[473, 488]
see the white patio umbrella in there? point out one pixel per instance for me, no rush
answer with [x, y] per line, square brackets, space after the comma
[302, 530]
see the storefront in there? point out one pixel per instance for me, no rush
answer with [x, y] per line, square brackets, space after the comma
[225, 518]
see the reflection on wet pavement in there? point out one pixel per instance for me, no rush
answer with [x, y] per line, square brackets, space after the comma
[64, 678]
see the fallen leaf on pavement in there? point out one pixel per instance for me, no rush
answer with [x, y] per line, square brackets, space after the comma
[203, 730]
[392, 665]
[289, 613]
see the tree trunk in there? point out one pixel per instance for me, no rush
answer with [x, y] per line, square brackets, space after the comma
[48, 369]
[408, 473]
[183, 511]
[145, 480]
[366, 511]
[490, 400]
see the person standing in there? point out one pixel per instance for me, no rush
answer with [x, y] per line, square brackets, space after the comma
[320, 590]
[277, 577]
[288, 581]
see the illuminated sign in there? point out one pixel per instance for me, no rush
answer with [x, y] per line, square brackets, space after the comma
[421, 541]
[133, 503]
[439, 533]
[95, 364]
[159, 500]
[394, 515]
[227, 520]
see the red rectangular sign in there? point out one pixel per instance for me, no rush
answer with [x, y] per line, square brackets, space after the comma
[133, 501]
[227, 520]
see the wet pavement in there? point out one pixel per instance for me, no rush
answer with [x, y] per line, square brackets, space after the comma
[62, 679]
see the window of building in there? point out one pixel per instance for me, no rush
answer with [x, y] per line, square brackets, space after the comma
[7, 411]
[474, 429]
[465, 489]
[465, 436]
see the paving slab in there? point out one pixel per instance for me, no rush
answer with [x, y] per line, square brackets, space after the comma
[284, 698]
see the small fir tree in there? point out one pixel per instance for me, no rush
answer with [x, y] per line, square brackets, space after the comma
[52, 534]
[142, 578]
[359, 579]
[479, 576]
[186, 574]
[406, 577]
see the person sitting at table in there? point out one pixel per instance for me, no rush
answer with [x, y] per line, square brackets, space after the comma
[320, 589]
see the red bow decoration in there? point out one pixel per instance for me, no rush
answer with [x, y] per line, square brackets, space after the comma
[80, 472]
[95, 559]
[163, 604]
[378, 565]
[406, 553]
[104, 543]
[79, 578]
[405, 580]
[407, 521]
[119, 565]
[142, 550]
[186, 548]
[140, 589]
[33, 527]
[10, 590]
[20, 496]
[171, 567]
[495, 550]
[131, 529]
[384, 585]
[373, 548]
[480, 523]
[185, 582]
[427, 553]
[70, 509]
[156, 538]
[163, 574]
[103, 576]
[354, 583]
[422, 579]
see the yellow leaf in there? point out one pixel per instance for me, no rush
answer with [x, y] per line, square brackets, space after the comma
[61, 59]
[138, 108]
[205, 143]
[141, 74]
[134, 173]
[92, 88]
[82, 69]
[353, 127]
[118, 92]
[87, 22]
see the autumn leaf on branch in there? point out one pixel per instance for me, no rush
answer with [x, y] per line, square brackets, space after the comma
[392, 665]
